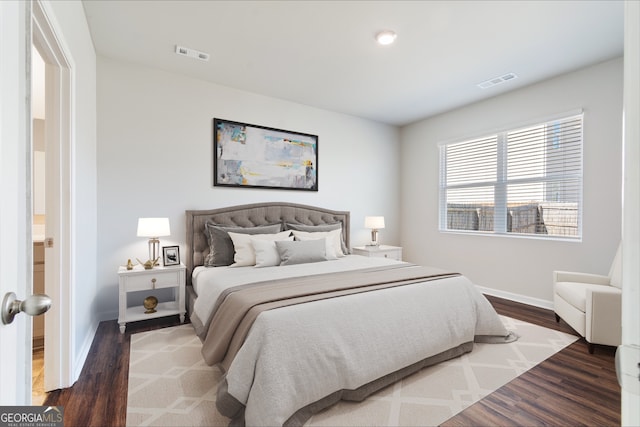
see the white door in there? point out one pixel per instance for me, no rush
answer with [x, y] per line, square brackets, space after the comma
[15, 208]
[629, 352]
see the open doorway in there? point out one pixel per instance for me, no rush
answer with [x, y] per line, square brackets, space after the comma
[38, 232]
[58, 245]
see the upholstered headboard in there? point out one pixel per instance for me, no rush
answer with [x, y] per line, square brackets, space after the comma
[250, 216]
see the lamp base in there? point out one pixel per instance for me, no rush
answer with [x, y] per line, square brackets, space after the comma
[154, 250]
[374, 238]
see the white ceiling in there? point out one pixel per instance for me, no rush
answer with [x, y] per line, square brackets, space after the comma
[323, 53]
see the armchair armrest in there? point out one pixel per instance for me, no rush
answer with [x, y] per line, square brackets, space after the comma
[604, 316]
[571, 276]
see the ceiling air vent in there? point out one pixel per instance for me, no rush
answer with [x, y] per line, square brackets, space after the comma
[192, 53]
[497, 80]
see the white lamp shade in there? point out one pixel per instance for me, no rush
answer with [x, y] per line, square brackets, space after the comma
[153, 227]
[374, 222]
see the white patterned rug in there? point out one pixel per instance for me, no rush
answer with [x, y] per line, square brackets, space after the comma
[170, 385]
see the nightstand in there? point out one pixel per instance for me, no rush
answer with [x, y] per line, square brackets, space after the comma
[382, 251]
[139, 279]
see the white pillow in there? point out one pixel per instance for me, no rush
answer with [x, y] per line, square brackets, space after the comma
[301, 252]
[266, 252]
[333, 240]
[244, 252]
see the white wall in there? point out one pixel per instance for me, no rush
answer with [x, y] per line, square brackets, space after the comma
[71, 27]
[155, 159]
[517, 266]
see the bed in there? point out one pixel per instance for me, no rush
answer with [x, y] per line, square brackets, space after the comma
[297, 323]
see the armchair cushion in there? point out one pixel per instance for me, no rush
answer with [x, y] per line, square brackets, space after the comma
[576, 293]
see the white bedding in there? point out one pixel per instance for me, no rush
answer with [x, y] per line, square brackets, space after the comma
[297, 355]
[209, 282]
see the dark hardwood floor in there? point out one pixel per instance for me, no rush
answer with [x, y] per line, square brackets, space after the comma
[99, 397]
[571, 388]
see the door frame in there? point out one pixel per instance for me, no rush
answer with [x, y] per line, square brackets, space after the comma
[59, 266]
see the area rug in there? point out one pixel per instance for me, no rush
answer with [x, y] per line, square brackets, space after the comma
[170, 385]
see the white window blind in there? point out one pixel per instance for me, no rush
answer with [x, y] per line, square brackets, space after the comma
[526, 181]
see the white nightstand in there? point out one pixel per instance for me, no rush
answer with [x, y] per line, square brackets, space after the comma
[158, 277]
[382, 251]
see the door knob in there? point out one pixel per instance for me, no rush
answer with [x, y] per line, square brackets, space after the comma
[34, 305]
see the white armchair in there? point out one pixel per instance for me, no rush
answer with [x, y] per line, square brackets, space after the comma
[591, 303]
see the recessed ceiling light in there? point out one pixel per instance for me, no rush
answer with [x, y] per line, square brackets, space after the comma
[386, 37]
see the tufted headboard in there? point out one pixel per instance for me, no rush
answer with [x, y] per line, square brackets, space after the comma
[250, 216]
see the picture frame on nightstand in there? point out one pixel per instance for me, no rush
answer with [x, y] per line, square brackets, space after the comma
[170, 255]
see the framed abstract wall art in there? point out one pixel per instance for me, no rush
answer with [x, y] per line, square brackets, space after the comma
[261, 157]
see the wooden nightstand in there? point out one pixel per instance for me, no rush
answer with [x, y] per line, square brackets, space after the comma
[139, 279]
[382, 251]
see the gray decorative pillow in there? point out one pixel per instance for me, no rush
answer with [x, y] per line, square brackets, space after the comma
[317, 228]
[301, 252]
[221, 249]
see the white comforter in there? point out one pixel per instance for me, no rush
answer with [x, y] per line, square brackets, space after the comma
[210, 282]
[297, 355]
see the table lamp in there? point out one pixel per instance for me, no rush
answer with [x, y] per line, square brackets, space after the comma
[375, 223]
[153, 228]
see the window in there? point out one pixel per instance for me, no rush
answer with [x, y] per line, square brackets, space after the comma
[526, 181]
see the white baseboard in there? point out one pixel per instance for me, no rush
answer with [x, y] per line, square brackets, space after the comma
[536, 302]
[84, 352]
